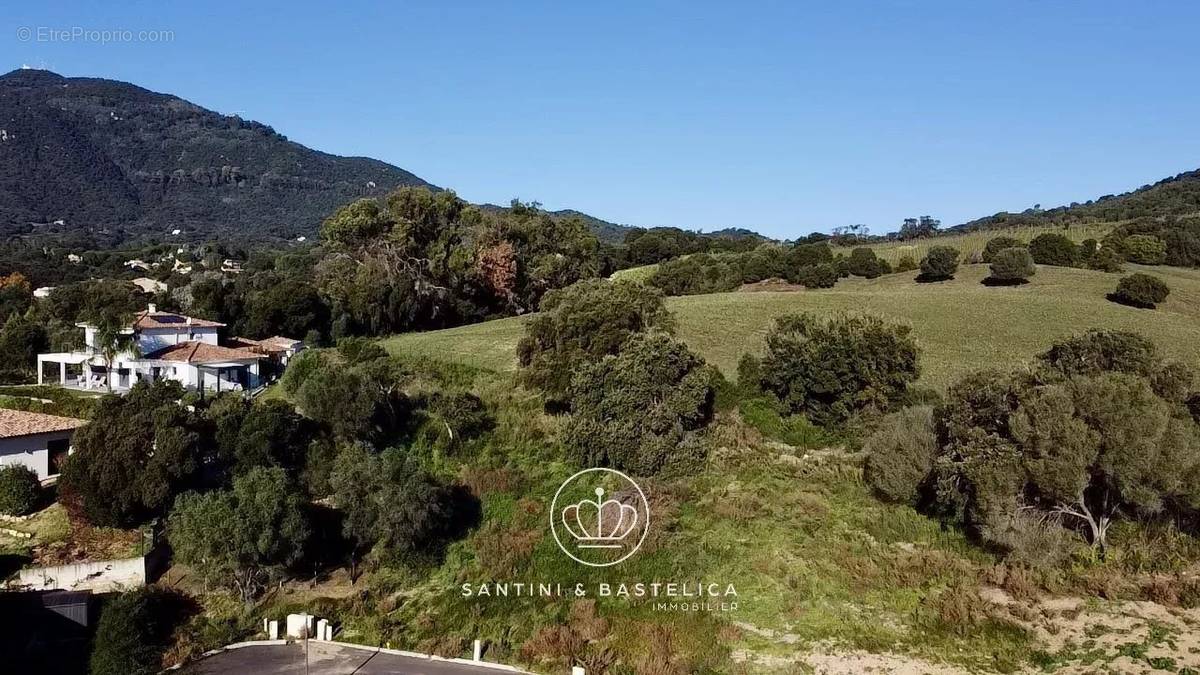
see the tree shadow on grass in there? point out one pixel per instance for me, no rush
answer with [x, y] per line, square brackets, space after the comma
[993, 281]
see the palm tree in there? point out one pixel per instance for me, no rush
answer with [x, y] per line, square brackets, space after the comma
[113, 339]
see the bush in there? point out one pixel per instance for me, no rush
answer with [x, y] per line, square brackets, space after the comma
[831, 369]
[1103, 351]
[907, 263]
[1105, 260]
[817, 276]
[1145, 249]
[135, 630]
[1140, 290]
[939, 264]
[19, 490]
[997, 244]
[864, 263]
[583, 323]
[1012, 266]
[1053, 248]
[635, 411]
[900, 454]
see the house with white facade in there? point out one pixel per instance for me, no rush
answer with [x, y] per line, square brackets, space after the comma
[166, 346]
[36, 440]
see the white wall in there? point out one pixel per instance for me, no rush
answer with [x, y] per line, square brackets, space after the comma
[100, 577]
[152, 339]
[30, 451]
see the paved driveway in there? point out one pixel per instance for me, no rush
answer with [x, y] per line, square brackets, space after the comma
[326, 658]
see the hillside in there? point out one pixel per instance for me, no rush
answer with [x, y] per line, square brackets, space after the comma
[127, 162]
[961, 325]
[1178, 195]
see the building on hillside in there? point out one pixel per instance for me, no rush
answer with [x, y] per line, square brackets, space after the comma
[43, 292]
[166, 346]
[36, 440]
[278, 348]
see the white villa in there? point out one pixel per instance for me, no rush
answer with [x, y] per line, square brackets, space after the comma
[170, 346]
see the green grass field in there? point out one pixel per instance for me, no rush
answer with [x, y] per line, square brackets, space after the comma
[972, 243]
[961, 325]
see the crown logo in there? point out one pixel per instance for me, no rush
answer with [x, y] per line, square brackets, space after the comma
[599, 523]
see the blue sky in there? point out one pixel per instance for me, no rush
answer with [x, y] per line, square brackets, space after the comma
[781, 117]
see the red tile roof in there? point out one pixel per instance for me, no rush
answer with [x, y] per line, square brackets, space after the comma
[171, 320]
[14, 423]
[201, 352]
[269, 345]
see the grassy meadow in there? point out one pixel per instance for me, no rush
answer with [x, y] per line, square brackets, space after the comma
[961, 325]
[971, 244]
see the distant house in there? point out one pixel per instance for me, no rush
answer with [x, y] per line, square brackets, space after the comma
[280, 349]
[42, 292]
[36, 440]
[136, 264]
[231, 266]
[169, 346]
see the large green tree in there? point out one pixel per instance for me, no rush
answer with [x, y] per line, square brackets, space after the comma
[243, 536]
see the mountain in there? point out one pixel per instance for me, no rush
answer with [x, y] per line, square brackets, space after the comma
[1175, 196]
[125, 163]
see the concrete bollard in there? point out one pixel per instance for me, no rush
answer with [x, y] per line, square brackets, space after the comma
[273, 630]
[266, 625]
[478, 651]
[321, 626]
[329, 632]
[577, 670]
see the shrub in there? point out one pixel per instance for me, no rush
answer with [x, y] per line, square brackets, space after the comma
[864, 263]
[900, 454]
[749, 373]
[939, 264]
[1145, 249]
[817, 276]
[1140, 290]
[907, 263]
[1103, 351]
[1053, 248]
[1105, 260]
[19, 490]
[635, 411]
[831, 369]
[1012, 266]
[997, 244]
[134, 631]
[583, 323]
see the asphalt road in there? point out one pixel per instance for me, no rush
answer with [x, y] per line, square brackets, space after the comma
[326, 658]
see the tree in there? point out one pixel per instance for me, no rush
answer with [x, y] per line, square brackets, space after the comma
[939, 264]
[817, 276]
[361, 402]
[864, 263]
[1140, 290]
[20, 490]
[1103, 351]
[21, 340]
[1052, 248]
[582, 323]
[140, 450]
[1144, 249]
[636, 410]
[263, 433]
[355, 224]
[997, 244]
[135, 630]
[113, 338]
[1012, 266]
[830, 369]
[16, 295]
[1094, 447]
[394, 507]
[244, 535]
[916, 228]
